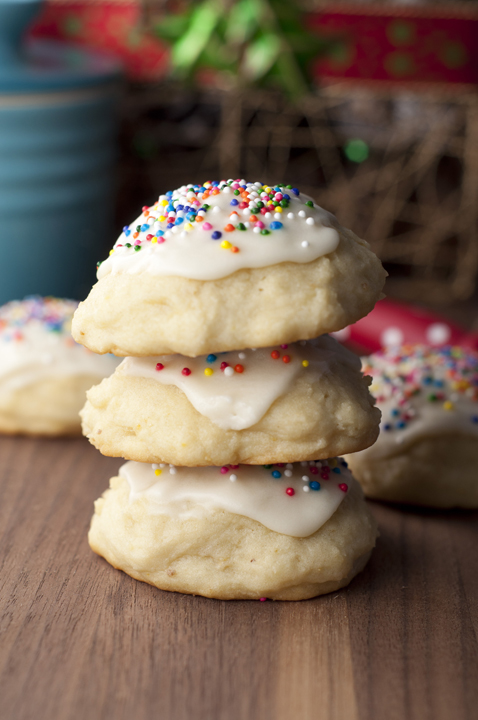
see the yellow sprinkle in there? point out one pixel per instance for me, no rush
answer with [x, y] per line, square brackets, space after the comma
[305, 363]
[448, 405]
[112, 251]
[188, 226]
[267, 189]
[208, 371]
[225, 244]
[162, 218]
[158, 472]
[278, 209]
[154, 240]
[163, 203]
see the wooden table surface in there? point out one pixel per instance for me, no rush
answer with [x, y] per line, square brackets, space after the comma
[80, 640]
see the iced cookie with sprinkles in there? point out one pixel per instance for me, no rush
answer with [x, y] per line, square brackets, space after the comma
[284, 532]
[290, 402]
[226, 265]
[427, 451]
[44, 374]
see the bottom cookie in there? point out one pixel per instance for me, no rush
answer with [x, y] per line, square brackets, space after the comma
[220, 554]
[437, 471]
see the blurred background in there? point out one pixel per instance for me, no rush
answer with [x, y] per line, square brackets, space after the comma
[370, 107]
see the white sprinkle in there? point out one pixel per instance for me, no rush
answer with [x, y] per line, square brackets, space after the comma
[306, 488]
[253, 349]
[172, 471]
[256, 230]
[226, 189]
[228, 371]
[267, 215]
[290, 216]
[183, 234]
[288, 473]
[246, 211]
[304, 243]
[162, 465]
[242, 356]
[289, 466]
[301, 213]
[162, 197]
[310, 221]
[154, 466]
[305, 478]
[258, 184]
[216, 209]
[167, 234]
[233, 478]
[247, 225]
[277, 216]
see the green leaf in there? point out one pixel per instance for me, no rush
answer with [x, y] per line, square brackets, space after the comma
[188, 48]
[171, 27]
[242, 22]
[260, 56]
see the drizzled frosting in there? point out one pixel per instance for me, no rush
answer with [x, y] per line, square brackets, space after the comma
[35, 342]
[423, 391]
[294, 499]
[236, 389]
[210, 231]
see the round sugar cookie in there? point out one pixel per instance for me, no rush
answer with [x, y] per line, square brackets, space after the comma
[241, 535]
[293, 402]
[427, 451]
[44, 374]
[223, 266]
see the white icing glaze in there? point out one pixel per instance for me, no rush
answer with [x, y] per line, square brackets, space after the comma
[248, 490]
[189, 250]
[404, 383]
[238, 400]
[35, 344]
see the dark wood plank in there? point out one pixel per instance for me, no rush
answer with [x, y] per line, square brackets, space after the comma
[79, 640]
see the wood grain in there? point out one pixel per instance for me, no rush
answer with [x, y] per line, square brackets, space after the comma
[81, 641]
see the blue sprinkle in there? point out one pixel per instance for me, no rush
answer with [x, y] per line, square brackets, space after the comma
[395, 413]
[296, 191]
[401, 425]
[427, 381]
[211, 358]
[387, 426]
[336, 470]
[179, 207]
[474, 418]
[276, 225]
[438, 383]
[234, 202]
[127, 232]
[126, 228]
[286, 197]
[277, 188]
[179, 220]
[170, 207]
[170, 225]
[276, 474]
[144, 227]
[216, 235]
[215, 183]
[190, 216]
[344, 463]
[169, 194]
[160, 233]
[314, 485]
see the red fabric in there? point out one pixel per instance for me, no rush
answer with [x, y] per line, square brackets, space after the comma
[107, 26]
[399, 44]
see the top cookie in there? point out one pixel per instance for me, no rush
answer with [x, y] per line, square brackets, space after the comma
[224, 266]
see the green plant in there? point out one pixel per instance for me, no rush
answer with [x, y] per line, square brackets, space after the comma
[262, 43]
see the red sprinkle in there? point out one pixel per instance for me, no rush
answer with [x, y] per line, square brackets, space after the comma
[239, 368]
[291, 491]
[149, 237]
[224, 365]
[186, 371]
[275, 354]
[224, 469]
[243, 205]
[286, 359]
[262, 599]
[344, 487]
[234, 467]
[313, 470]
[145, 208]
[159, 366]
[284, 347]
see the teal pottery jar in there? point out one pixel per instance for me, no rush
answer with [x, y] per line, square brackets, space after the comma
[58, 130]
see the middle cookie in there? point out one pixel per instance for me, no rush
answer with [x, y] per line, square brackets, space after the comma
[304, 401]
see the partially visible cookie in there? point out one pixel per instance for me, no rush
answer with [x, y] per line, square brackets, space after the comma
[44, 374]
[215, 268]
[292, 402]
[427, 451]
[183, 535]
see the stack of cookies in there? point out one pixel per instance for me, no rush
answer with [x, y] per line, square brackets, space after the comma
[230, 416]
